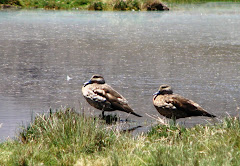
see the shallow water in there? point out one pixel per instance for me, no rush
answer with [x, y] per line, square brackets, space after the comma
[195, 49]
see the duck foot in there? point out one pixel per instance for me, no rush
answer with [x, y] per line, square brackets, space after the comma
[109, 119]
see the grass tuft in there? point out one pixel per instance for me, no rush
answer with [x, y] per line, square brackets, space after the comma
[66, 137]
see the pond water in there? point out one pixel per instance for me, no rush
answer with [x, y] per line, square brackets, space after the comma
[195, 49]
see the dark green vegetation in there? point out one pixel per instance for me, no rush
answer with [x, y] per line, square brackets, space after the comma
[69, 138]
[96, 4]
[81, 4]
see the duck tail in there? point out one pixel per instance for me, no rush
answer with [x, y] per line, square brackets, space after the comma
[135, 114]
[210, 115]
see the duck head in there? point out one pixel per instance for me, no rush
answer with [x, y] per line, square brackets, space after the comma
[98, 79]
[164, 89]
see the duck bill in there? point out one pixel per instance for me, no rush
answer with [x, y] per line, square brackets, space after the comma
[157, 93]
[86, 83]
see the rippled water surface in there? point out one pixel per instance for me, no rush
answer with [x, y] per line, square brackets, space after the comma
[195, 49]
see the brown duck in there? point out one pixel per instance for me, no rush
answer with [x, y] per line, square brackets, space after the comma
[175, 106]
[104, 97]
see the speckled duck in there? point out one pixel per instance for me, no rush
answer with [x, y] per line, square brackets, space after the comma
[103, 97]
[175, 106]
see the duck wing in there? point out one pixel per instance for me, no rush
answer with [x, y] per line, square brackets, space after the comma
[164, 102]
[117, 101]
[91, 94]
[188, 106]
[110, 94]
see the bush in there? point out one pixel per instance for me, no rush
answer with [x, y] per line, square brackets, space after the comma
[127, 5]
[98, 5]
[120, 5]
[54, 4]
[155, 5]
[11, 2]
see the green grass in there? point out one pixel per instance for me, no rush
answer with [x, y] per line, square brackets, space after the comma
[69, 138]
[197, 1]
[99, 4]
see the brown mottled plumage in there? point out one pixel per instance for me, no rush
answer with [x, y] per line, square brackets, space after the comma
[104, 97]
[175, 106]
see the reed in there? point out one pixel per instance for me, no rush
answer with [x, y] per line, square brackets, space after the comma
[69, 138]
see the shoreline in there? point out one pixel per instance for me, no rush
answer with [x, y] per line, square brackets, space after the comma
[102, 5]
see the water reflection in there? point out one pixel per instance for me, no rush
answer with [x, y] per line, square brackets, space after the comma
[195, 51]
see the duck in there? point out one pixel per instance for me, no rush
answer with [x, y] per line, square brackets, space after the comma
[174, 106]
[103, 97]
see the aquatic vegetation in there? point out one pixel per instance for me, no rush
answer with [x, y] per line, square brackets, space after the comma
[67, 137]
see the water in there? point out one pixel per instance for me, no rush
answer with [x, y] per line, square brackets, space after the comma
[195, 49]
